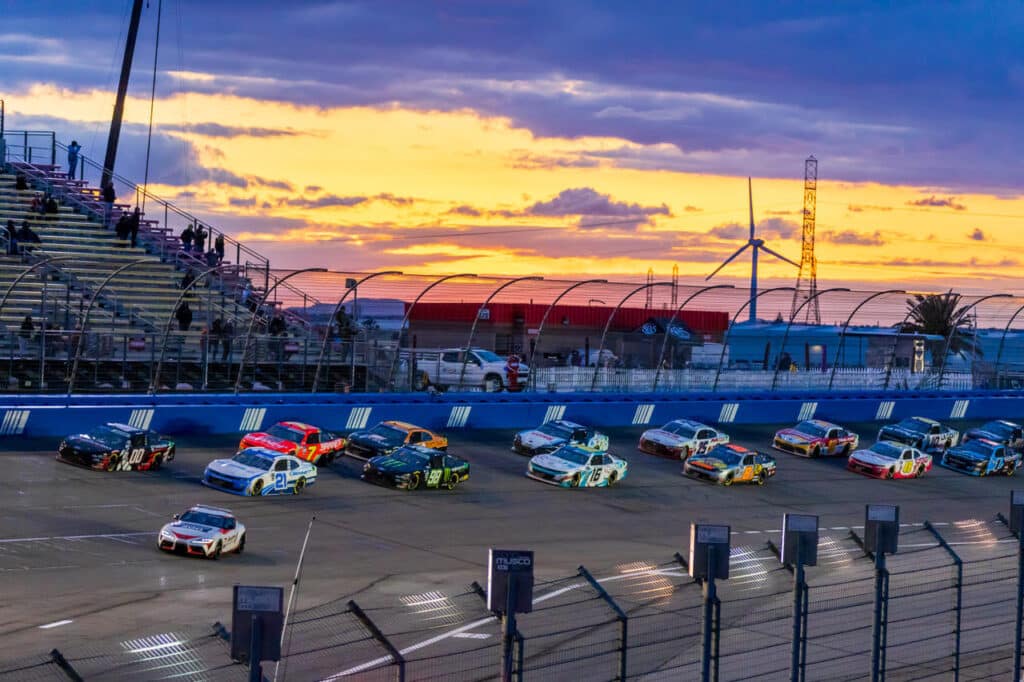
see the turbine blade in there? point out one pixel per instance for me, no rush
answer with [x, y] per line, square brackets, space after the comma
[728, 260]
[750, 198]
[779, 256]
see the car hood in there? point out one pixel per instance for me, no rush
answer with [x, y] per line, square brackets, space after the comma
[900, 434]
[230, 467]
[373, 441]
[265, 440]
[392, 465]
[555, 463]
[663, 437]
[707, 463]
[987, 435]
[190, 531]
[535, 439]
[85, 443]
[869, 457]
[970, 455]
[794, 436]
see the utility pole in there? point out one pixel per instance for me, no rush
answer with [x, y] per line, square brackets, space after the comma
[122, 91]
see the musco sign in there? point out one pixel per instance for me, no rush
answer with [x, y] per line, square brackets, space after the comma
[510, 580]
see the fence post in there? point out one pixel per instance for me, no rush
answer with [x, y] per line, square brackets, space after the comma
[65, 667]
[379, 636]
[517, 636]
[619, 613]
[959, 594]
[879, 627]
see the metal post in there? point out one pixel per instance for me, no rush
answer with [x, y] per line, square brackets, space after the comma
[725, 341]
[1002, 339]
[122, 90]
[291, 594]
[619, 613]
[785, 336]
[799, 589]
[608, 324]
[878, 629]
[842, 334]
[1020, 607]
[256, 650]
[508, 631]
[954, 330]
[710, 597]
[959, 595]
[544, 319]
[376, 633]
[668, 328]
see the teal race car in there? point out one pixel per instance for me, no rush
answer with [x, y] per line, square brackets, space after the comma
[413, 466]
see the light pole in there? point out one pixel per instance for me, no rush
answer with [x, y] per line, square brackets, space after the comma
[952, 332]
[668, 328]
[842, 334]
[608, 323]
[785, 336]
[540, 329]
[725, 341]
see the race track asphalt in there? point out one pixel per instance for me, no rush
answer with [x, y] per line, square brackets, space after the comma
[79, 546]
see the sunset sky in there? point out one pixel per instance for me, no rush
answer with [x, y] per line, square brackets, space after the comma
[559, 138]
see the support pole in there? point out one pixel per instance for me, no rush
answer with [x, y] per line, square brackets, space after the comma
[710, 598]
[255, 650]
[508, 632]
[122, 91]
[476, 320]
[846, 325]
[1020, 607]
[795, 673]
[619, 613]
[376, 633]
[958, 562]
[671, 321]
[878, 629]
[608, 324]
[735, 318]
[785, 336]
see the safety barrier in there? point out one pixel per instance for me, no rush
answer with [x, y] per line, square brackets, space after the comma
[47, 415]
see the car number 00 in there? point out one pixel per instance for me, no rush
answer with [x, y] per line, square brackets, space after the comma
[136, 456]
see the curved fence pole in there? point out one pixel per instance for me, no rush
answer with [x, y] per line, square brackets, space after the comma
[785, 335]
[725, 341]
[608, 324]
[1002, 338]
[896, 342]
[476, 320]
[842, 334]
[170, 323]
[668, 328]
[953, 331]
[544, 319]
[330, 323]
[25, 273]
[88, 309]
[408, 314]
[255, 313]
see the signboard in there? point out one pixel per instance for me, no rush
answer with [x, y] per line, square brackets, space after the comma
[799, 539]
[709, 551]
[1016, 511]
[881, 528]
[262, 604]
[510, 572]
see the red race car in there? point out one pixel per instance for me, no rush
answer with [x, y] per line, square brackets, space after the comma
[889, 460]
[310, 443]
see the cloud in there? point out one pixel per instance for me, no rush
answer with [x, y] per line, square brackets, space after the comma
[860, 208]
[584, 201]
[247, 202]
[313, 188]
[532, 161]
[273, 184]
[978, 235]
[326, 201]
[389, 198]
[219, 130]
[849, 237]
[692, 209]
[466, 210]
[769, 228]
[937, 202]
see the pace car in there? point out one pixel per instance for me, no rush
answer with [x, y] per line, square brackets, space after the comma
[258, 471]
[552, 435]
[117, 447]
[386, 437]
[731, 463]
[680, 438]
[814, 438]
[982, 457]
[306, 442]
[1000, 431]
[413, 466]
[203, 531]
[573, 466]
[927, 435]
[889, 459]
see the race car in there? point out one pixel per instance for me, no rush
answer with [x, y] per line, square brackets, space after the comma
[296, 438]
[680, 438]
[574, 466]
[117, 447]
[552, 435]
[814, 438]
[982, 457]
[414, 466]
[386, 437]
[731, 463]
[258, 471]
[927, 435]
[203, 531]
[1000, 431]
[889, 459]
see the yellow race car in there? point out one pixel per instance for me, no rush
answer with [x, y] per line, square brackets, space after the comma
[388, 436]
[731, 463]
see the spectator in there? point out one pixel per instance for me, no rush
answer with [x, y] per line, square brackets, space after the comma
[218, 246]
[186, 238]
[199, 238]
[187, 279]
[277, 328]
[346, 333]
[211, 259]
[228, 333]
[73, 150]
[25, 333]
[51, 207]
[184, 316]
[25, 235]
[20, 182]
[109, 196]
[37, 205]
[123, 227]
[247, 296]
[133, 225]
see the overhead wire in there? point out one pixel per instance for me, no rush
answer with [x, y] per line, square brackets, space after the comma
[152, 102]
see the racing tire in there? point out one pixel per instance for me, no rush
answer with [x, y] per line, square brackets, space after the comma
[919, 472]
[299, 486]
[761, 479]
[945, 446]
[684, 454]
[414, 481]
[815, 453]
[216, 553]
[325, 459]
[727, 481]
[576, 480]
[241, 544]
[1011, 470]
[919, 445]
[452, 482]
[257, 488]
[613, 478]
[158, 462]
[845, 451]
[889, 475]
[113, 463]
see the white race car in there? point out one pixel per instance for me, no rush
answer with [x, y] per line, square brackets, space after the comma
[681, 438]
[552, 435]
[259, 471]
[571, 466]
[203, 531]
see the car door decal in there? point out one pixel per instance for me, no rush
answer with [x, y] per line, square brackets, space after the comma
[748, 473]
[908, 466]
[433, 478]
[281, 480]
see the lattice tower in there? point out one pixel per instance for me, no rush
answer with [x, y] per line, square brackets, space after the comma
[675, 285]
[807, 278]
[650, 290]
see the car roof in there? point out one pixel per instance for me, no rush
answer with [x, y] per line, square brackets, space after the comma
[301, 426]
[989, 442]
[737, 448]
[822, 423]
[1006, 422]
[926, 420]
[266, 452]
[566, 422]
[124, 427]
[690, 422]
[415, 447]
[582, 448]
[405, 426]
[209, 509]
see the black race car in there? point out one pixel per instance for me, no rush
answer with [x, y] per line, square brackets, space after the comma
[999, 431]
[117, 447]
[413, 466]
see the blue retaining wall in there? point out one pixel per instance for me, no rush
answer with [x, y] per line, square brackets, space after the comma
[49, 415]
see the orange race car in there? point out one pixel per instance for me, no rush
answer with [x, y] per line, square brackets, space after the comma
[306, 442]
[386, 437]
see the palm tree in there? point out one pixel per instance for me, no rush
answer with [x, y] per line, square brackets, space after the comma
[941, 314]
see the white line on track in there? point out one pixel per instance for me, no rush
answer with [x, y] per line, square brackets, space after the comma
[55, 624]
[79, 537]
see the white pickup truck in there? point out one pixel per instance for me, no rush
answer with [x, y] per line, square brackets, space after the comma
[484, 369]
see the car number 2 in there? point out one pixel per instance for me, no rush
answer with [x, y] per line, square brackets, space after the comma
[280, 480]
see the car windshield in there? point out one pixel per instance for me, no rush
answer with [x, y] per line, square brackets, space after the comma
[285, 433]
[977, 447]
[572, 455]
[204, 519]
[999, 429]
[811, 429]
[887, 450]
[916, 425]
[680, 429]
[255, 460]
[109, 436]
[409, 456]
[488, 356]
[728, 456]
[556, 430]
[390, 434]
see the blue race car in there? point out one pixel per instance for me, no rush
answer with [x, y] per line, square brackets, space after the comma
[259, 471]
[982, 457]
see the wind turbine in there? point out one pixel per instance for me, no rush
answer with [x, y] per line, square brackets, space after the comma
[758, 244]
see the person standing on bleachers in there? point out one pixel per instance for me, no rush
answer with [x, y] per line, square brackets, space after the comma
[25, 334]
[186, 238]
[199, 239]
[218, 246]
[109, 196]
[184, 316]
[133, 225]
[25, 234]
[73, 150]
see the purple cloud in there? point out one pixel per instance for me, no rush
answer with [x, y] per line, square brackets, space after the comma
[852, 238]
[938, 202]
[978, 235]
[584, 201]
